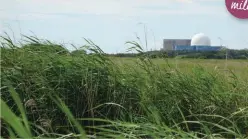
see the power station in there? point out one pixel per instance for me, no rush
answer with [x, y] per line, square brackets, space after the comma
[199, 42]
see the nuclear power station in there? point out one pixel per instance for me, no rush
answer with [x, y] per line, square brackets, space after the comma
[199, 42]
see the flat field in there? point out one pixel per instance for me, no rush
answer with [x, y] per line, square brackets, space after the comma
[238, 67]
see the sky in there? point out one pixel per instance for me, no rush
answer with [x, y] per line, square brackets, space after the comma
[111, 23]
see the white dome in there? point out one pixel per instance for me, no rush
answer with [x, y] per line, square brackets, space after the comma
[200, 40]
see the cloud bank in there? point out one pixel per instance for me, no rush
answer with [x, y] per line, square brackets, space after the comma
[47, 9]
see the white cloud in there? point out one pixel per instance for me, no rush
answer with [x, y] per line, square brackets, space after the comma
[43, 9]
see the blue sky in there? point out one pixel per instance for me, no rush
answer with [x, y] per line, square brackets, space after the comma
[110, 23]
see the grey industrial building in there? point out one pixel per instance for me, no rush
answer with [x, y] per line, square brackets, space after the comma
[199, 42]
[168, 44]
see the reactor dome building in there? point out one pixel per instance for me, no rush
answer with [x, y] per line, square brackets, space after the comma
[199, 42]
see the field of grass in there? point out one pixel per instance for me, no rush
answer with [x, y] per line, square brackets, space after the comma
[239, 67]
[46, 91]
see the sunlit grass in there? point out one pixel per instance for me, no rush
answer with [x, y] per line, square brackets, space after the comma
[47, 91]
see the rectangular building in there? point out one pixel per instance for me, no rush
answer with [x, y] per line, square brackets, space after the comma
[169, 44]
[208, 48]
[184, 48]
[196, 48]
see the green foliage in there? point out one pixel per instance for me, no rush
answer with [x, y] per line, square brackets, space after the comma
[231, 54]
[78, 52]
[76, 95]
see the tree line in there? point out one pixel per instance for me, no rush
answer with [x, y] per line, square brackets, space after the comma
[223, 54]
